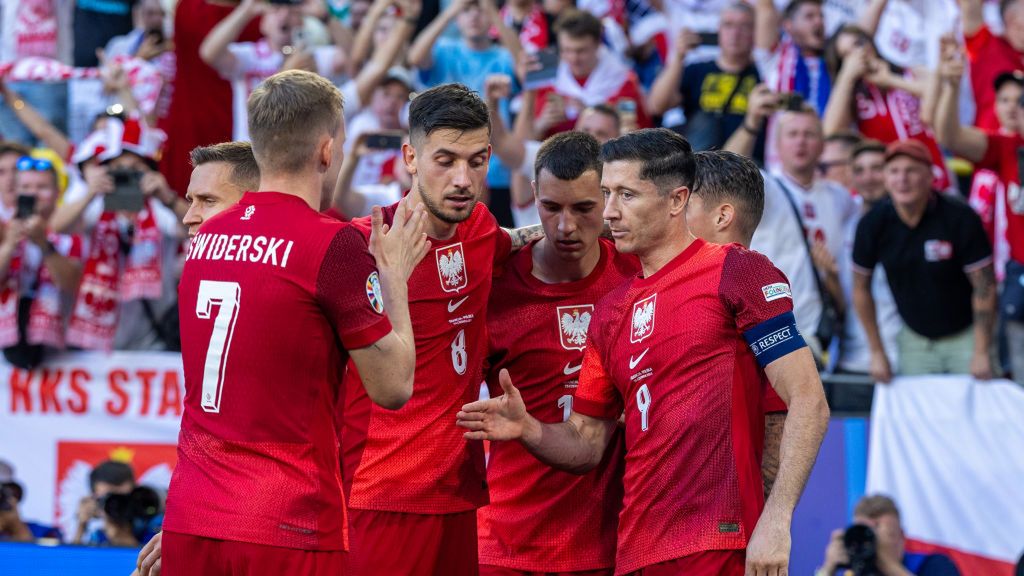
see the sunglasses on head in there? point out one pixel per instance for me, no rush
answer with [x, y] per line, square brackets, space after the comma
[29, 164]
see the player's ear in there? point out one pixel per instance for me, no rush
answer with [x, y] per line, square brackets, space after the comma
[326, 153]
[677, 200]
[409, 158]
[725, 216]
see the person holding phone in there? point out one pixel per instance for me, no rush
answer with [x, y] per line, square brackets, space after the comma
[379, 127]
[39, 270]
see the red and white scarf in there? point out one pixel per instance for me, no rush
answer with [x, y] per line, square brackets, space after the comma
[107, 281]
[535, 35]
[602, 85]
[45, 324]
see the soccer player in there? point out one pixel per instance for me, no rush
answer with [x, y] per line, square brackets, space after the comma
[725, 207]
[274, 299]
[221, 173]
[414, 478]
[537, 319]
[678, 348]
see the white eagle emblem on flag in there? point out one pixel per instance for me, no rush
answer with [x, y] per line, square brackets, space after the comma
[451, 267]
[643, 319]
[573, 322]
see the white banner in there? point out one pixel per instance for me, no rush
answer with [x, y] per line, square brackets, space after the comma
[59, 421]
[950, 451]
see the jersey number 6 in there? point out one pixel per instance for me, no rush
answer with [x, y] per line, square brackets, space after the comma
[226, 297]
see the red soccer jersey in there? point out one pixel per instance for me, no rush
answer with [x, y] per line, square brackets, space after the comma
[990, 56]
[672, 350]
[415, 459]
[1002, 157]
[541, 519]
[269, 288]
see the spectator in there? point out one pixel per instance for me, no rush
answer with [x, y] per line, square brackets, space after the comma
[127, 285]
[383, 115]
[247, 64]
[95, 23]
[999, 153]
[221, 173]
[39, 28]
[939, 265]
[149, 41]
[40, 270]
[836, 157]
[879, 513]
[991, 55]
[588, 74]
[793, 62]
[12, 528]
[10, 153]
[884, 102]
[108, 477]
[527, 19]
[804, 216]
[868, 180]
[713, 93]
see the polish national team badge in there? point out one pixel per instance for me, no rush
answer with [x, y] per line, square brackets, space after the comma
[451, 267]
[573, 322]
[643, 319]
[373, 293]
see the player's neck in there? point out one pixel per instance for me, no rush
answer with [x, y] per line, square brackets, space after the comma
[550, 268]
[305, 186]
[658, 256]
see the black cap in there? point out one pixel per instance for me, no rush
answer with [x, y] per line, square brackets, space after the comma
[1016, 76]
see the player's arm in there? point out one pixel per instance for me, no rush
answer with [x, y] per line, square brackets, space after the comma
[386, 367]
[522, 236]
[773, 425]
[576, 445]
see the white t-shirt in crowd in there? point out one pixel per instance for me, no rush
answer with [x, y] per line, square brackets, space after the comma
[825, 208]
[378, 167]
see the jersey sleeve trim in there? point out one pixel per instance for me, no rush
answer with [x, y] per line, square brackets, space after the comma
[366, 336]
[595, 409]
[774, 338]
[978, 265]
[862, 270]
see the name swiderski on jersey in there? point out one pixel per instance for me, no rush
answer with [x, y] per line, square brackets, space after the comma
[241, 248]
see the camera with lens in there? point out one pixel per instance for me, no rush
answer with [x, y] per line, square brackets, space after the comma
[134, 509]
[862, 549]
[10, 491]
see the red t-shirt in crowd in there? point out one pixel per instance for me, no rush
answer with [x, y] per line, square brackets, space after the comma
[200, 112]
[990, 56]
[541, 519]
[415, 459]
[269, 289]
[1002, 157]
[629, 90]
[680, 352]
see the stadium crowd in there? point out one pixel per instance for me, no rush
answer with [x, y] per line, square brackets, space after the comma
[888, 134]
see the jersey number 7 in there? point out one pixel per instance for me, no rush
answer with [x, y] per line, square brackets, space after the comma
[226, 296]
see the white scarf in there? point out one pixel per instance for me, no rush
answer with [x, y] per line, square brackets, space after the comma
[603, 83]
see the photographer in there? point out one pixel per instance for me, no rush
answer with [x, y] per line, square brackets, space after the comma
[132, 218]
[39, 271]
[879, 549]
[12, 528]
[106, 478]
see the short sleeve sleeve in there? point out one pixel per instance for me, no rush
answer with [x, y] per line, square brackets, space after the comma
[349, 291]
[865, 244]
[761, 301]
[596, 395]
[974, 249]
[977, 43]
[244, 56]
[994, 152]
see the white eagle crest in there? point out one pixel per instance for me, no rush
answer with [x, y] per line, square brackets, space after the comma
[451, 267]
[642, 317]
[575, 326]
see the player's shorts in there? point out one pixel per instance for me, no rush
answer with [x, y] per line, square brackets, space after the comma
[412, 544]
[187, 555]
[708, 563]
[488, 570]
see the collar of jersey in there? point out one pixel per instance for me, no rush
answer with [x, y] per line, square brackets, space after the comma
[524, 266]
[270, 198]
[673, 264]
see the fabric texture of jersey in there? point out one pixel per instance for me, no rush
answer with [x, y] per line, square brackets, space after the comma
[538, 332]
[269, 289]
[185, 555]
[670, 349]
[415, 459]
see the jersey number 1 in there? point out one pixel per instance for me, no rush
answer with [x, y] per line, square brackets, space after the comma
[226, 297]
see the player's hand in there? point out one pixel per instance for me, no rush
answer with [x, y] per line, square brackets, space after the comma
[501, 418]
[880, 369]
[148, 563]
[400, 248]
[981, 365]
[768, 549]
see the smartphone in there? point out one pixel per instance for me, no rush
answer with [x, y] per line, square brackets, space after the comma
[26, 207]
[708, 38]
[157, 35]
[790, 101]
[127, 194]
[545, 76]
[286, 2]
[383, 141]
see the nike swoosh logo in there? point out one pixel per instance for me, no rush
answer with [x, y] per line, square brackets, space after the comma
[634, 361]
[454, 304]
[569, 369]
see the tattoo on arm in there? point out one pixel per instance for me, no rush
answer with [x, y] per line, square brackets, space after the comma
[984, 298]
[523, 236]
[773, 424]
[984, 281]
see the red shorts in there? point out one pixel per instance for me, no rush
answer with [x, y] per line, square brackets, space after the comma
[411, 544]
[708, 563]
[187, 555]
[488, 570]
